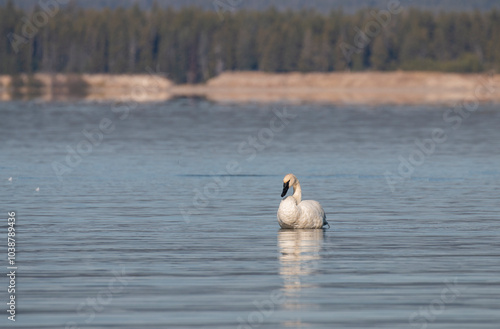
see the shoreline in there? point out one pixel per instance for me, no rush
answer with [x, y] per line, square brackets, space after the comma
[361, 88]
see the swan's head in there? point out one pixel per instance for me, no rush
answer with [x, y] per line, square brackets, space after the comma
[288, 181]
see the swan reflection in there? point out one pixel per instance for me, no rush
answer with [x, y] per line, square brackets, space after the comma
[299, 258]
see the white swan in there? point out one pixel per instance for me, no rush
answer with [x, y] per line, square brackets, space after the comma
[295, 213]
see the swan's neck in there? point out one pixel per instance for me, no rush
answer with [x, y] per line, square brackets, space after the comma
[297, 192]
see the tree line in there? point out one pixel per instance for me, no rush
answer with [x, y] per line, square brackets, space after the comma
[192, 45]
[319, 5]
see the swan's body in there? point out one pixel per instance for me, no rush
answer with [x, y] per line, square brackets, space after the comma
[295, 213]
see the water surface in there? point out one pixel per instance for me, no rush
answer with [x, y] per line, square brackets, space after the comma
[169, 221]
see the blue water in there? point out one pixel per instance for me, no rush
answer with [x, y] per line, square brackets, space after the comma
[169, 219]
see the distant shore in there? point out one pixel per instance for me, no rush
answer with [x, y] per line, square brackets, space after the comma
[366, 88]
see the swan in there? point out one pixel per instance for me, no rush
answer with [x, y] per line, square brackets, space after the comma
[295, 213]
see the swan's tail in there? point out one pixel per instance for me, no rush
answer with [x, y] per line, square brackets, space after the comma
[325, 222]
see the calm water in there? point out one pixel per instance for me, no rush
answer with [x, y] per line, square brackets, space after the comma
[169, 221]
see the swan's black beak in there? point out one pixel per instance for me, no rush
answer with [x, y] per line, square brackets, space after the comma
[285, 189]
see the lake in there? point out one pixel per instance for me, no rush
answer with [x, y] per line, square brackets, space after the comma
[164, 215]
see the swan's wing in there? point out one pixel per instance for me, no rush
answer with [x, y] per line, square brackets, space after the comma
[312, 214]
